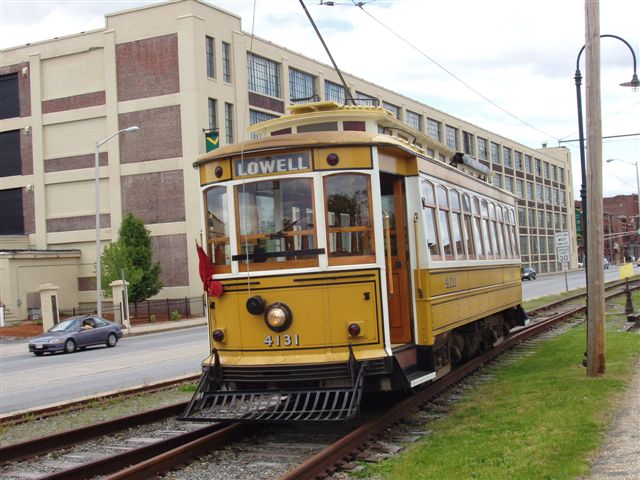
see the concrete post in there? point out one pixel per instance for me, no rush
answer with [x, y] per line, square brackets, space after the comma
[118, 293]
[49, 305]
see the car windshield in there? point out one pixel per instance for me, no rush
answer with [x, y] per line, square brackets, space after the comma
[66, 326]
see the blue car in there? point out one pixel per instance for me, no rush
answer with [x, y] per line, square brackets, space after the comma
[76, 333]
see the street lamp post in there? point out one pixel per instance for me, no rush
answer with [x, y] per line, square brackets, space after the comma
[636, 217]
[634, 83]
[98, 253]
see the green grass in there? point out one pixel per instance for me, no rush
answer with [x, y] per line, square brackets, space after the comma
[540, 417]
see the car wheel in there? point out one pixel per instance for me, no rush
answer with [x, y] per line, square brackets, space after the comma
[69, 346]
[533, 277]
[112, 340]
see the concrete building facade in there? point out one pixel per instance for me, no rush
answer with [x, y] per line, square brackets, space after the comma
[174, 69]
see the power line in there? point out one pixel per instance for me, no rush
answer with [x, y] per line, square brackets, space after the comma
[442, 67]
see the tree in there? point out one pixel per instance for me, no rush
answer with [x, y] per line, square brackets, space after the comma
[132, 253]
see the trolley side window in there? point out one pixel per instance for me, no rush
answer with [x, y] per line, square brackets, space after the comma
[349, 230]
[468, 229]
[445, 229]
[456, 223]
[276, 226]
[217, 222]
[477, 230]
[429, 213]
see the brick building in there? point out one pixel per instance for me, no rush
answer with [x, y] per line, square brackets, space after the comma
[174, 69]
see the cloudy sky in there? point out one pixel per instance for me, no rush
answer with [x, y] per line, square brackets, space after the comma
[504, 65]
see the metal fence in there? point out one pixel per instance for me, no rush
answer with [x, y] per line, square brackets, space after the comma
[148, 311]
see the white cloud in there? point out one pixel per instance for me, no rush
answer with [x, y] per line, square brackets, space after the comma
[521, 55]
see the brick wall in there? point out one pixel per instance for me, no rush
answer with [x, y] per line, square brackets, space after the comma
[159, 135]
[171, 252]
[147, 68]
[154, 197]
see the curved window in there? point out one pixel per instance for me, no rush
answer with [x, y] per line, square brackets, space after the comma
[477, 228]
[429, 214]
[468, 225]
[489, 240]
[445, 229]
[276, 224]
[456, 223]
[217, 222]
[349, 230]
[512, 231]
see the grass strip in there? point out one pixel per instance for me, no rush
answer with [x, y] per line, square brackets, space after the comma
[541, 417]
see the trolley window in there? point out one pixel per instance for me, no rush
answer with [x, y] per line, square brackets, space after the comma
[468, 228]
[456, 223]
[429, 213]
[349, 230]
[443, 210]
[276, 226]
[217, 222]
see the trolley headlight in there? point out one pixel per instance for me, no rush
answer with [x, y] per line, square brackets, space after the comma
[255, 305]
[278, 317]
[353, 329]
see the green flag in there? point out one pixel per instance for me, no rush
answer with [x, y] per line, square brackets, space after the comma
[212, 139]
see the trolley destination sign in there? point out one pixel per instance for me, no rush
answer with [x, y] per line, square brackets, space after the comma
[272, 164]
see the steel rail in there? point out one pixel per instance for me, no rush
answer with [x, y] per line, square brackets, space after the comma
[345, 449]
[67, 438]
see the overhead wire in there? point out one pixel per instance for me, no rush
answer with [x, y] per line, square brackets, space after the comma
[361, 5]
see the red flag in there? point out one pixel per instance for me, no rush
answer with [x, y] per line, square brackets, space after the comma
[212, 287]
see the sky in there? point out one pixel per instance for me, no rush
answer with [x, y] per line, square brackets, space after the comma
[506, 66]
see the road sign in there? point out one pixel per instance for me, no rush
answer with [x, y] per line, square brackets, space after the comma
[562, 247]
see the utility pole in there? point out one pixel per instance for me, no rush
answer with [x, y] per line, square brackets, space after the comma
[595, 240]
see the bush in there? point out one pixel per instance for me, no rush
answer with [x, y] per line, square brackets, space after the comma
[175, 315]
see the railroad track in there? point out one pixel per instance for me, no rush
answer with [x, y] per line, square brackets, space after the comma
[160, 448]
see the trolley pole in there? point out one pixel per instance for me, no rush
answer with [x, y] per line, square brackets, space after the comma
[595, 234]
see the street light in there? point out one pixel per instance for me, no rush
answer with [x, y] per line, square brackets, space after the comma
[98, 259]
[634, 83]
[637, 217]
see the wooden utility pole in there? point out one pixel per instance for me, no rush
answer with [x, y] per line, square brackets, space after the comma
[595, 233]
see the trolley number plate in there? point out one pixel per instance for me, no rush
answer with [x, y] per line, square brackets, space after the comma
[282, 340]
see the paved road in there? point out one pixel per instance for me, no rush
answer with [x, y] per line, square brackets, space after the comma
[27, 381]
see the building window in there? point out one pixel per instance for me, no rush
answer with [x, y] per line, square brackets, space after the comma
[264, 75]
[520, 188]
[539, 193]
[547, 195]
[546, 170]
[506, 157]
[538, 168]
[301, 86]
[496, 179]
[365, 100]
[334, 92]
[524, 245]
[228, 121]
[521, 217]
[11, 216]
[433, 128]
[563, 198]
[517, 160]
[508, 184]
[554, 173]
[414, 120]
[529, 191]
[226, 62]
[452, 137]
[561, 174]
[540, 217]
[527, 163]
[256, 116]
[467, 143]
[9, 93]
[10, 161]
[392, 108]
[482, 148]
[495, 153]
[213, 115]
[532, 217]
[211, 59]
